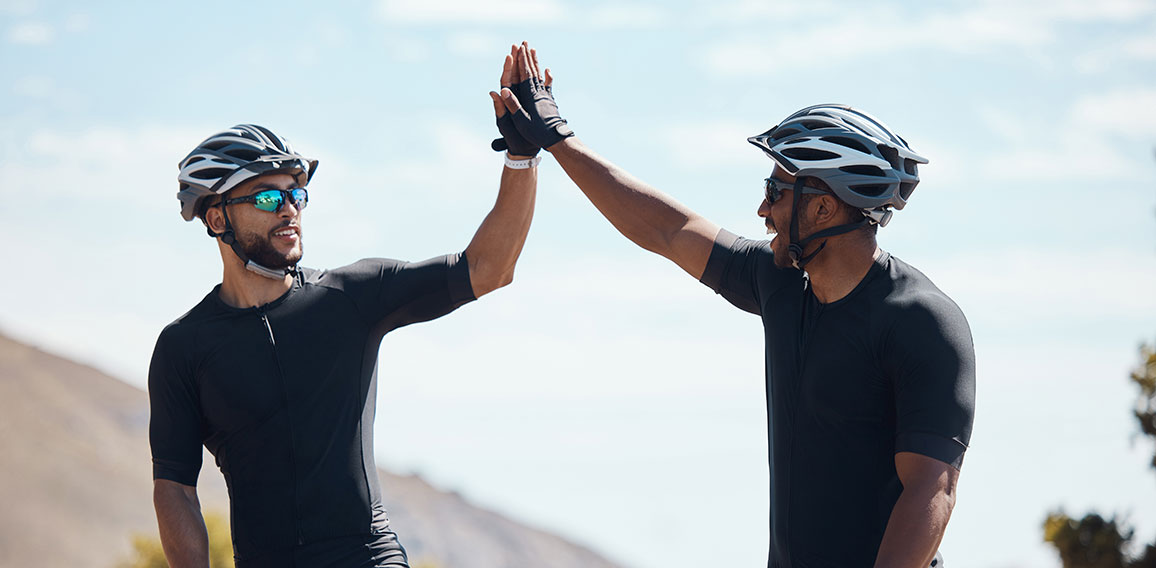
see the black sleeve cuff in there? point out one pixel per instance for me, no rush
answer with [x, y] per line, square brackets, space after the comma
[180, 473]
[947, 450]
[717, 263]
[461, 289]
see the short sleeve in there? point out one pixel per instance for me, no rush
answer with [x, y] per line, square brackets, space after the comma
[174, 418]
[393, 293]
[743, 271]
[931, 358]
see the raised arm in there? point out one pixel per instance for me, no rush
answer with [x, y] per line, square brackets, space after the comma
[495, 248]
[183, 535]
[648, 217]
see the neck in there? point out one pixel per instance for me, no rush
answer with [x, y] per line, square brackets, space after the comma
[844, 262]
[242, 288]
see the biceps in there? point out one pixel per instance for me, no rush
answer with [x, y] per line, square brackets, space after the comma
[919, 471]
[691, 245]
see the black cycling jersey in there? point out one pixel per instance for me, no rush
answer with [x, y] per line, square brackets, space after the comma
[889, 368]
[283, 396]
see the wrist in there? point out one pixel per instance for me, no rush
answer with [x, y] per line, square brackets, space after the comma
[522, 162]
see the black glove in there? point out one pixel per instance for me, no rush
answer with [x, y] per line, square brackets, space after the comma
[512, 140]
[538, 121]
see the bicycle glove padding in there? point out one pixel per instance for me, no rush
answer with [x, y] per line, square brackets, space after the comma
[538, 121]
[512, 140]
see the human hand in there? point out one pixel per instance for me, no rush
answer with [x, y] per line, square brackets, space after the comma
[511, 139]
[530, 101]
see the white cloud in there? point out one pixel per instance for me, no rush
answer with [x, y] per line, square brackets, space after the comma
[855, 32]
[17, 6]
[494, 12]
[628, 16]
[476, 44]
[30, 33]
[1131, 113]
[1111, 132]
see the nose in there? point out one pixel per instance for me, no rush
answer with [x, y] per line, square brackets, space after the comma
[764, 210]
[290, 208]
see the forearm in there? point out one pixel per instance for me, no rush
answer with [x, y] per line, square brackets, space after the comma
[651, 219]
[182, 528]
[916, 527]
[495, 248]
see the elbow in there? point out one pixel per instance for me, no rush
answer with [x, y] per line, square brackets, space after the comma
[485, 285]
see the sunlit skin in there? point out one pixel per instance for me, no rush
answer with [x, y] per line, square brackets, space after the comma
[281, 230]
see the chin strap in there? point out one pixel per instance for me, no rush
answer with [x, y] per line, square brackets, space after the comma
[796, 246]
[230, 238]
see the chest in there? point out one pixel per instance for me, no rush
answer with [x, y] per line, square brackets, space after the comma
[823, 362]
[298, 354]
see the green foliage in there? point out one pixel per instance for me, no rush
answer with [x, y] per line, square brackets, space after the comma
[1090, 542]
[147, 551]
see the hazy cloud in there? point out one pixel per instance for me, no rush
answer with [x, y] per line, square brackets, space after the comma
[30, 33]
[457, 11]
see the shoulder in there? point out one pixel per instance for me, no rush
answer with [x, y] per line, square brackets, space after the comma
[915, 305]
[364, 269]
[189, 323]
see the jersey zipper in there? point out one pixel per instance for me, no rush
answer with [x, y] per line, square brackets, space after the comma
[292, 440]
[815, 308]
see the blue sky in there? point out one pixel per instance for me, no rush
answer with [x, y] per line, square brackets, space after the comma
[605, 395]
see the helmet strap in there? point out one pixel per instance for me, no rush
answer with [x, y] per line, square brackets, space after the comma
[229, 237]
[795, 247]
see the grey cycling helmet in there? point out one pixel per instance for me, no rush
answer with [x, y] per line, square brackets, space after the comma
[227, 159]
[865, 164]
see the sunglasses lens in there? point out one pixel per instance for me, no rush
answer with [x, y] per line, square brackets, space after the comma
[300, 197]
[267, 200]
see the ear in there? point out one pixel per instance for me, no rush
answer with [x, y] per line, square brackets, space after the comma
[214, 219]
[824, 209]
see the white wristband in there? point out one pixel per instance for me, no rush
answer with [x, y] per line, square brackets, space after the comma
[522, 164]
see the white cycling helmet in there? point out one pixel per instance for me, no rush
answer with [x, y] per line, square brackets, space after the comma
[864, 163]
[227, 159]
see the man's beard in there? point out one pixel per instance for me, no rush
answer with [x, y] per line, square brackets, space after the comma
[261, 251]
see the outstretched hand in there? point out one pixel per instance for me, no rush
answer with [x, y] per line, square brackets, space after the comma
[530, 100]
[511, 139]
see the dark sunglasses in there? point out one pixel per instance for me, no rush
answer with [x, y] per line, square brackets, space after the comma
[272, 200]
[775, 187]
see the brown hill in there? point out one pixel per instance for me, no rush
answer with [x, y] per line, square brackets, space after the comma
[75, 481]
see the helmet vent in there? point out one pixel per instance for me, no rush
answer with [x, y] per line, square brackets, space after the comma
[848, 142]
[909, 167]
[891, 155]
[864, 170]
[211, 173]
[905, 189]
[809, 154]
[246, 154]
[813, 124]
[783, 133]
[871, 189]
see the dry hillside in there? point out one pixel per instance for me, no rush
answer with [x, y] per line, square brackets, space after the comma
[75, 481]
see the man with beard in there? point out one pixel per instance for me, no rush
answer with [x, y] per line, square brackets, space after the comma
[870, 369]
[275, 370]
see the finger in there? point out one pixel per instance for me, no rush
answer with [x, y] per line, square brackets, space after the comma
[524, 56]
[549, 78]
[507, 72]
[534, 64]
[511, 101]
[499, 106]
